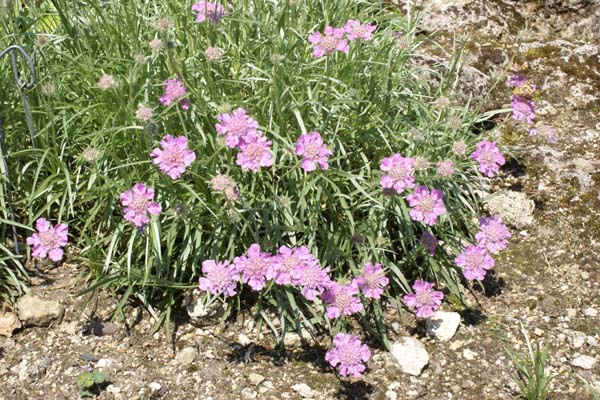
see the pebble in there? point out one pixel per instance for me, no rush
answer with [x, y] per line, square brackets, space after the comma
[303, 390]
[155, 386]
[248, 393]
[34, 311]
[443, 325]
[584, 362]
[244, 340]
[411, 355]
[113, 389]
[186, 355]
[577, 340]
[469, 355]
[8, 323]
[256, 379]
[590, 312]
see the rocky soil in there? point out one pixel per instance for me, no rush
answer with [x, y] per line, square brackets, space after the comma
[546, 285]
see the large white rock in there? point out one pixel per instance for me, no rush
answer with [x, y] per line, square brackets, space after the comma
[33, 311]
[443, 325]
[8, 323]
[514, 207]
[411, 355]
[584, 362]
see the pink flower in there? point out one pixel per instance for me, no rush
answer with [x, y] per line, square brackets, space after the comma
[236, 126]
[208, 10]
[425, 299]
[399, 175]
[493, 234]
[489, 158]
[287, 261]
[341, 299]
[312, 278]
[429, 242]
[357, 31]
[349, 353]
[254, 267]
[523, 109]
[311, 147]
[476, 261]
[174, 90]
[138, 203]
[372, 281]
[332, 40]
[426, 205]
[219, 278]
[255, 152]
[174, 157]
[445, 168]
[48, 241]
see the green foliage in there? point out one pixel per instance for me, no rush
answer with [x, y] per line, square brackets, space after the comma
[89, 382]
[595, 394]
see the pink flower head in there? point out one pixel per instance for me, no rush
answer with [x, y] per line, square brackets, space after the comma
[349, 353]
[332, 40]
[523, 109]
[254, 267]
[429, 242]
[174, 157]
[493, 234]
[174, 90]
[399, 171]
[425, 299]
[287, 261]
[208, 10]
[48, 241]
[341, 299]
[518, 80]
[235, 126]
[310, 146]
[138, 203]
[426, 205]
[445, 168]
[255, 152]
[489, 158]
[372, 281]
[355, 30]
[476, 261]
[219, 278]
[312, 278]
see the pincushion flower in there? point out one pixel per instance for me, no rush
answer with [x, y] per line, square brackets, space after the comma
[445, 168]
[489, 158]
[312, 279]
[48, 241]
[235, 126]
[349, 353]
[310, 146]
[523, 109]
[429, 242]
[341, 299]
[356, 30]
[255, 153]
[138, 204]
[399, 173]
[174, 157]
[476, 261]
[424, 299]
[426, 205]
[143, 113]
[208, 10]
[174, 90]
[372, 281]
[287, 261]
[254, 267]
[332, 40]
[493, 234]
[219, 278]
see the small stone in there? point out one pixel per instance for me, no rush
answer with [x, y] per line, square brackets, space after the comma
[303, 390]
[256, 379]
[591, 341]
[571, 312]
[584, 362]
[33, 311]
[248, 393]
[101, 328]
[514, 207]
[411, 355]
[469, 355]
[70, 328]
[244, 340]
[8, 324]
[113, 389]
[538, 332]
[155, 386]
[186, 355]
[391, 395]
[88, 357]
[577, 340]
[197, 310]
[590, 312]
[107, 364]
[443, 325]
[467, 384]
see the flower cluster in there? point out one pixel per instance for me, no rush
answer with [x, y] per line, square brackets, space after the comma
[138, 204]
[489, 158]
[174, 91]
[372, 281]
[208, 11]
[522, 105]
[313, 151]
[49, 240]
[424, 299]
[348, 354]
[225, 185]
[333, 39]
[174, 157]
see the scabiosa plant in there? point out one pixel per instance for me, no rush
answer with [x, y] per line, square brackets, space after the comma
[493, 234]
[426, 205]
[489, 158]
[174, 157]
[106, 82]
[287, 261]
[523, 109]
[310, 146]
[349, 353]
[156, 44]
[445, 168]
[213, 53]
[356, 30]
[49, 240]
[399, 173]
[424, 299]
[219, 278]
[459, 148]
[143, 113]
[332, 40]
[312, 279]
[255, 152]
[208, 10]
[429, 242]
[173, 91]
[138, 204]
[476, 261]
[372, 282]
[235, 126]
[254, 267]
[341, 299]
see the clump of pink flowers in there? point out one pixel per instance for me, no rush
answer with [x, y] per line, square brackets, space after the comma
[356, 30]
[399, 173]
[289, 260]
[312, 278]
[138, 204]
[208, 10]
[313, 151]
[48, 241]
[493, 234]
[476, 261]
[425, 300]
[255, 152]
[174, 157]
[236, 126]
[330, 40]
[372, 281]
[341, 299]
[254, 267]
[174, 90]
[348, 354]
[489, 158]
[219, 278]
[523, 108]
[426, 205]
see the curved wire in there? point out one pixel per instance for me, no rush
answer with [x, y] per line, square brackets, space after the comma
[13, 60]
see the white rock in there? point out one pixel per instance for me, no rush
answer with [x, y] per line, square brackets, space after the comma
[390, 394]
[585, 362]
[105, 363]
[244, 340]
[196, 309]
[590, 312]
[256, 379]
[155, 386]
[411, 355]
[303, 390]
[514, 208]
[249, 394]
[469, 355]
[443, 325]
[578, 339]
[33, 311]
[8, 323]
[186, 355]
[113, 389]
